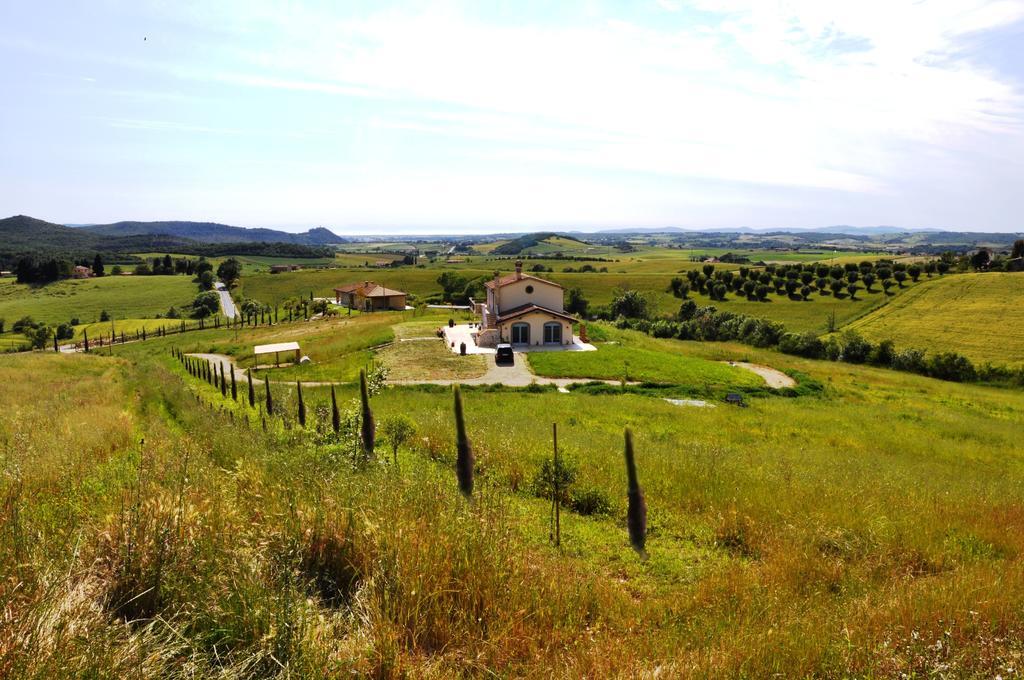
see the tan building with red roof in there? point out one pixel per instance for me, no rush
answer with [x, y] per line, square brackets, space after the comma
[523, 310]
[369, 297]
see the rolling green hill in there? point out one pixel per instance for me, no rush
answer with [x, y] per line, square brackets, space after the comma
[123, 297]
[212, 232]
[978, 315]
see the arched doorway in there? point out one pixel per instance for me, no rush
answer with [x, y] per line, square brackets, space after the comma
[520, 334]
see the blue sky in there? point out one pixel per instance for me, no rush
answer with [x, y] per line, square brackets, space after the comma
[473, 117]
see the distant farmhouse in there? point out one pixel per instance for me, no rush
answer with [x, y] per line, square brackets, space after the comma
[80, 272]
[281, 268]
[523, 310]
[369, 297]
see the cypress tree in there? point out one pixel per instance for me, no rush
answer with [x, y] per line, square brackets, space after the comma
[56, 348]
[270, 399]
[252, 392]
[85, 335]
[335, 416]
[223, 381]
[234, 385]
[143, 332]
[368, 430]
[464, 450]
[636, 513]
[302, 404]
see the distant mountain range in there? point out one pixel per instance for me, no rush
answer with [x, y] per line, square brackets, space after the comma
[22, 235]
[212, 232]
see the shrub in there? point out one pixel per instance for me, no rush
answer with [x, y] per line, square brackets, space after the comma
[911, 360]
[803, 344]
[856, 349]
[563, 474]
[687, 310]
[951, 366]
[590, 501]
[205, 304]
[25, 323]
[397, 430]
[884, 354]
[630, 304]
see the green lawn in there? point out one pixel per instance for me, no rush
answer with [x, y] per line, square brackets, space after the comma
[635, 357]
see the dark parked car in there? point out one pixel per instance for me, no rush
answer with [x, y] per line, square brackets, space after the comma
[504, 355]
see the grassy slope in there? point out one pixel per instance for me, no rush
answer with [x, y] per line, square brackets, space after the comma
[124, 297]
[841, 535]
[978, 315]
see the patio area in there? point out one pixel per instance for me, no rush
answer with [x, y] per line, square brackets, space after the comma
[454, 336]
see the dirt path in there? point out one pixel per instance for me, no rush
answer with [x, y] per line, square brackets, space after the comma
[774, 378]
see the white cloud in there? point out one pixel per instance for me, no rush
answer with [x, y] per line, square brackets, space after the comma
[807, 93]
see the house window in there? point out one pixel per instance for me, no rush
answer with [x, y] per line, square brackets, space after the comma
[529, 290]
[552, 333]
[520, 334]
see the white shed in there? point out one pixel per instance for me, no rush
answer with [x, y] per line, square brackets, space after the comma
[276, 349]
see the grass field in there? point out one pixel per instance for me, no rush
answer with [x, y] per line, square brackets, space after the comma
[978, 315]
[123, 297]
[837, 535]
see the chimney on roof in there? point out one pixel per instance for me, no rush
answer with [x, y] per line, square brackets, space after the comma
[519, 269]
[366, 284]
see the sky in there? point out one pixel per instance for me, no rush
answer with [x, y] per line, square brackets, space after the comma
[372, 117]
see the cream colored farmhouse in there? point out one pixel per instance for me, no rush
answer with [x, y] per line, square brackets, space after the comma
[523, 310]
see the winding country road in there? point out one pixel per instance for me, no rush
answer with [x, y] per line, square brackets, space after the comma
[226, 303]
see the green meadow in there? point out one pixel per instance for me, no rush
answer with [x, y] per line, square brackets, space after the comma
[866, 523]
[978, 315]
[123, 297]
[844, 532]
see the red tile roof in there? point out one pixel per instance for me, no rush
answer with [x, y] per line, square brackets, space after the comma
[369, 289]
[512, 278]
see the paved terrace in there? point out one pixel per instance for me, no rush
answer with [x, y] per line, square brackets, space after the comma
[460, 333]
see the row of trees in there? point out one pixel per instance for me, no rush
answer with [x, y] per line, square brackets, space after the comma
[801, 280]
[354, 431]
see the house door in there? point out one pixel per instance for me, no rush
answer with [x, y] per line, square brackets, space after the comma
[520, 334]
[552, 333]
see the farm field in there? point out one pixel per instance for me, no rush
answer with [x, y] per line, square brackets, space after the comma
[598, 288]
[978, 315]
[123, 297]
[842, 532]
